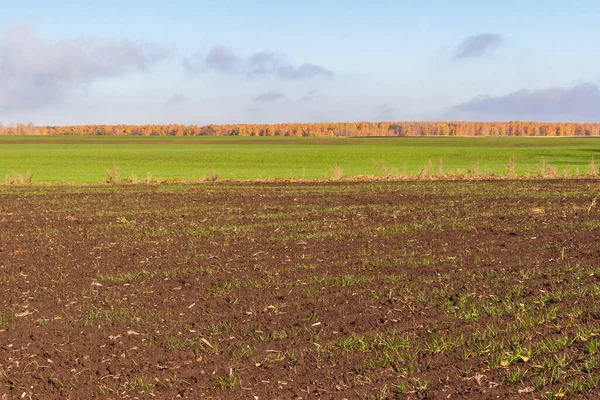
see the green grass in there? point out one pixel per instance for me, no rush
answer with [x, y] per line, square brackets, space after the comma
[85, 159]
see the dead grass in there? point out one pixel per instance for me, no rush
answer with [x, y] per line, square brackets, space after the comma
[335, 174]
[511, 168]
[428, 171]
[389, 172]
[440, 170]
[592, 168]
[113, 175]
[18, 179]
[212, 176]
[547, 170]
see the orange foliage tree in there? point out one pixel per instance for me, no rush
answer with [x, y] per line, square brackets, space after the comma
[455, 128]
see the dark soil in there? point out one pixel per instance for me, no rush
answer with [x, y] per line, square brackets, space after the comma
[421, 290]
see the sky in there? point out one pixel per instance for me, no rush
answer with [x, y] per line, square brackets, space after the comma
[265, 61]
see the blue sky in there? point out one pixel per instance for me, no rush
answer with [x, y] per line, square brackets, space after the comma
[200, 62]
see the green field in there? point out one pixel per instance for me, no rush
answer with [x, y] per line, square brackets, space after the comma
[84, 159]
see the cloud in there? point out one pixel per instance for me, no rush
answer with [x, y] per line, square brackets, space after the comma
[35, 72]
[222, 58]
[477, 45]
[304, 71]
[175, 99]
[385, 113]
[263, 63]
[270, 96]
[310, 96]
[577, 103]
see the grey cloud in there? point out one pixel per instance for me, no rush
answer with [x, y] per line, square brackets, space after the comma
[310, 96]
[263, 63]
[304, 71]
[477, 45]
[577, 103]
[194, 64]
[385, 113]
[222, 58]
[270, 96]
[35, 72]
[175, 99]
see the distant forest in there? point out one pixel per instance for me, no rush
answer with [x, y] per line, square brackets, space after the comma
[460, 128]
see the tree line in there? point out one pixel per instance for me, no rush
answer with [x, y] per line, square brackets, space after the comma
[325, 129]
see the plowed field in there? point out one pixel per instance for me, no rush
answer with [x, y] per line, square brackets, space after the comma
[301, 291]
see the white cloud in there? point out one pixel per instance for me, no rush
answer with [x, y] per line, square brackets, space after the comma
[35, 72]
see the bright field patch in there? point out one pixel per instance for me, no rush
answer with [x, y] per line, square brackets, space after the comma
[84, 159]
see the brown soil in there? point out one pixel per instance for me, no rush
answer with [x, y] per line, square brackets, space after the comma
[419, 290]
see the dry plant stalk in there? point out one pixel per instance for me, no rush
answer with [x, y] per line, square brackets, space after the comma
[212, 176]
[476, 171]
[337, 173]
[440, 171]
[113, 175]
[386, 172]
[547, 170]
[592, 205]
[592, 168]
[511, 168]
[427, 170]
[18, 179]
